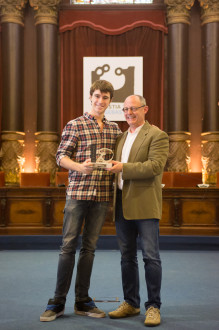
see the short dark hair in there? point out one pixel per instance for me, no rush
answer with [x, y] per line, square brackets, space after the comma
[104, 86]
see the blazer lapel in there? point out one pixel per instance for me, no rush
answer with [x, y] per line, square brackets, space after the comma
[138, 142]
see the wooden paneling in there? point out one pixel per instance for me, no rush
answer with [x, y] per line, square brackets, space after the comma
[167, 212]
[2, 179]
[190, 211]
[39, 211]
[25, 212]
[181, 179]
[195, 213]
[61, 179]
[58, 212]
[35, 179]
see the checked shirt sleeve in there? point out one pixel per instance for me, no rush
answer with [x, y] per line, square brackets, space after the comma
[68, 142]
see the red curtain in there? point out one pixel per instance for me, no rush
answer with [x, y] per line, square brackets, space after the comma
[86, 40]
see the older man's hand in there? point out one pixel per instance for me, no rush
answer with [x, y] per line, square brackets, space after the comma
[116, 168]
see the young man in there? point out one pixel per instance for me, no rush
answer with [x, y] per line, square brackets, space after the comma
[141, 154]
[87, 198]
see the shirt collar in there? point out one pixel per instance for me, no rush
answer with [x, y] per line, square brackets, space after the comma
[89, 116]
[136, 130]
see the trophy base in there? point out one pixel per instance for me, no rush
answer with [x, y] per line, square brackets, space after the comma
[102, 165]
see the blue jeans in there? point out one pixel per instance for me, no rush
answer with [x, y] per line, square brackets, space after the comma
[148, 232]
[75, 213]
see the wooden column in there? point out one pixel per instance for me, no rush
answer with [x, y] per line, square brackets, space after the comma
[12, 134]
[178, 20]
[210, 72]
[47, 74]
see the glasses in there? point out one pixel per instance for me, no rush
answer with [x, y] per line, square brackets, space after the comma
[133, 109]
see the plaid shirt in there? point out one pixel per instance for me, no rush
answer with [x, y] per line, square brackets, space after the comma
[77, 137]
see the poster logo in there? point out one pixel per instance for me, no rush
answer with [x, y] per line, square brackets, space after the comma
[124, 73]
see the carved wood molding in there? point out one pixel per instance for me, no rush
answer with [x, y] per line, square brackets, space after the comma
[46, 11]
[210, 11]
[178, 11]
[12, 11]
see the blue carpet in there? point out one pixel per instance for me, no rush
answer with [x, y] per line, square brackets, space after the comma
[190, 289]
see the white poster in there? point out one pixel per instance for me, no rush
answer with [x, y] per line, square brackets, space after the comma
[124, 73]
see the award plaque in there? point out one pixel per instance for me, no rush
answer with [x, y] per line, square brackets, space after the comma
[101, 158]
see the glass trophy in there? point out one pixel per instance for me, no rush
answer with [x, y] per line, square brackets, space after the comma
[101, 158]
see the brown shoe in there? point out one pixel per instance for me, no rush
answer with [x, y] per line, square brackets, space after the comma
[124, 310]
[88, 309]
[152, 317]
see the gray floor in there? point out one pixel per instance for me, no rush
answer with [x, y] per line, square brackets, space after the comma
[190, 291]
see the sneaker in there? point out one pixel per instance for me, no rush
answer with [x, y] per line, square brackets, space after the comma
[53, 310]
[124, 310]
[88, 308]
[152, 317]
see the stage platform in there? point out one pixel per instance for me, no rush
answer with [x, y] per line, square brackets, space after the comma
[107, 242]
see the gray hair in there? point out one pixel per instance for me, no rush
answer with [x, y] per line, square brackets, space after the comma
[142, 99]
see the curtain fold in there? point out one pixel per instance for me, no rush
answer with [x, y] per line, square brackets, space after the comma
[84, 41]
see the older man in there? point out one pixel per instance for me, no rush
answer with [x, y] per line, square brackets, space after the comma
[141, 154]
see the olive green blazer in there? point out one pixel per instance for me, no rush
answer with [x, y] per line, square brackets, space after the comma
[142, 174]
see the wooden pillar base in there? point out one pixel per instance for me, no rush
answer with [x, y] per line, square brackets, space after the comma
[46, 148]
[11, 152]
[210, 156]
